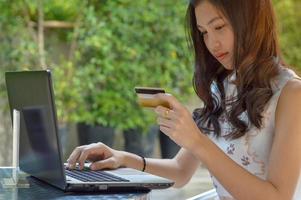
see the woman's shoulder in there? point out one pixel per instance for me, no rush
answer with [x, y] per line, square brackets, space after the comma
[292, 88]
[291, 92]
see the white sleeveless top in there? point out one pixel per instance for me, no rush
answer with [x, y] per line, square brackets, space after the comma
[252, 151]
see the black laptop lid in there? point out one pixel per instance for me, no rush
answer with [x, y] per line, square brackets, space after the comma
[31, 93]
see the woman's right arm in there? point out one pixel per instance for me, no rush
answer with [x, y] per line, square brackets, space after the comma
[179, 169]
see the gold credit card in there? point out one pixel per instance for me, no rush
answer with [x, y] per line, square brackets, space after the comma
[146, 97]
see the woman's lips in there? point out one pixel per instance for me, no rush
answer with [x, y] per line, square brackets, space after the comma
[221, 56]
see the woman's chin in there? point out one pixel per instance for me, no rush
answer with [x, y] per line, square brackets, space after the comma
[227, 67]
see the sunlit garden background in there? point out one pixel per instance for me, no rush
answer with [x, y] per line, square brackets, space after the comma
[98, 51]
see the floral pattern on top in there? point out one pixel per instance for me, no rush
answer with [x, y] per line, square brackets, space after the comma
[230, 149]
[245, 160]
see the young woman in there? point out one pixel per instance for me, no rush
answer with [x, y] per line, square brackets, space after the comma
[248, 133]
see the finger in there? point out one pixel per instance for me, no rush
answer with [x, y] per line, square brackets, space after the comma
[73, 157]
[173, 102]
[165, 112]
[103, 164]
[165, 122]
[83, 157]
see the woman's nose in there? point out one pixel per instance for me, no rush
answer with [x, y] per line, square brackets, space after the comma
[214, 44]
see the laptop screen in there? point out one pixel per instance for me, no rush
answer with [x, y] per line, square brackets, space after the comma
[31, 93]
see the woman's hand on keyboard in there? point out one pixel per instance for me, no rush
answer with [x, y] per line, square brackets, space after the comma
[101, 156]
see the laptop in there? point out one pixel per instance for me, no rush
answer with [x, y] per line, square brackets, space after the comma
[40, 151]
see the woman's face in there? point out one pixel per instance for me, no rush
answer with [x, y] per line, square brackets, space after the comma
[217, 33]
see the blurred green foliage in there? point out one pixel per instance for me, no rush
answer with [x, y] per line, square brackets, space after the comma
[118, 45]
[113, 47]
[289, 24]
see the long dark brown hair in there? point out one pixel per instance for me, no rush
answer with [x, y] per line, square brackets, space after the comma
[256, 62]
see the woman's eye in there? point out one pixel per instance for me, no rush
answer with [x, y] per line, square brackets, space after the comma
[220, 27]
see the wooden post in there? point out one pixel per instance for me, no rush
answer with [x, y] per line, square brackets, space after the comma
[41, 34]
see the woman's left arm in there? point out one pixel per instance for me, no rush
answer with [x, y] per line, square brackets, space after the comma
[285, 158]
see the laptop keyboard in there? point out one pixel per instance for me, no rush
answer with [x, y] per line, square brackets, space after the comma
[93, 176]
